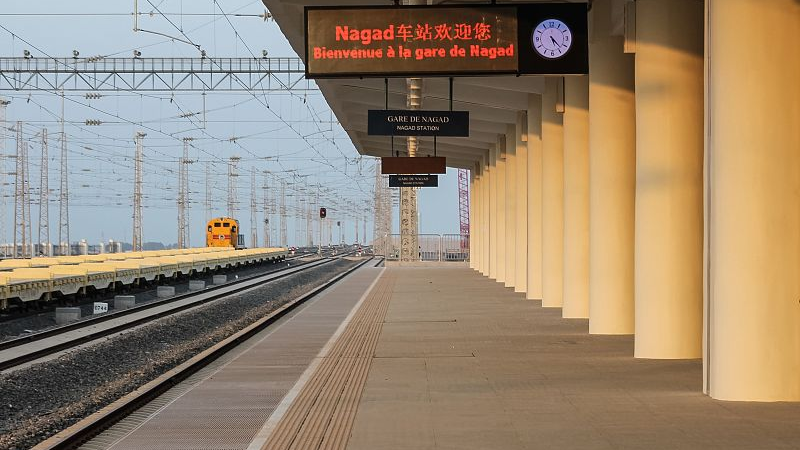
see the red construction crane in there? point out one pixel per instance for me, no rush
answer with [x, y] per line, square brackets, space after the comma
[463, 204]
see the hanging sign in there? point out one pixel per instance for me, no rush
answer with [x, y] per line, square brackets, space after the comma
[393, 122]
[396, 181]
[451, 40]
[406, 165]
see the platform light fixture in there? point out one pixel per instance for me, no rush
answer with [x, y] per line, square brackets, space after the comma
[75, 54]
[27, 54]
[137, 54]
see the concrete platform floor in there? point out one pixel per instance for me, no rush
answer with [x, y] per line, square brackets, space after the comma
[464, 363]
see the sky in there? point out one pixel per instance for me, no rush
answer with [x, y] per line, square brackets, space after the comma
[286, 137]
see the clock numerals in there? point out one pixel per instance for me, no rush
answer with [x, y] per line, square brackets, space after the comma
[552, 38]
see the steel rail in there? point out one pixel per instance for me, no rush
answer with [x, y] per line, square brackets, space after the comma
[93, 320]
[86, 429]
[223, 291]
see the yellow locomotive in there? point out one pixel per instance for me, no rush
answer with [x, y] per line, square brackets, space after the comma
[224, 232]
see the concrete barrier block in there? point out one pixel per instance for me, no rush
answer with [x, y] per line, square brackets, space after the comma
[197, 285]
[165, 291]
[67, 315]
[220, 279]
[124, 301]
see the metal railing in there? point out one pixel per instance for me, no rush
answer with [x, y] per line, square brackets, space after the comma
[431, 247]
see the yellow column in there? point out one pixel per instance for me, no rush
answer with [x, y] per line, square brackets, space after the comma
[576, 198]
[479, 231]
[501, 213]
[552, 197]
[485, 219]
[612, 177]
[753, 159]
[493, 212]
[511, 206]
[521, 229]
[669, 179]
[473, 220]
[534, 276]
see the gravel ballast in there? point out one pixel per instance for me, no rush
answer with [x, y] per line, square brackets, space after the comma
[38, 401]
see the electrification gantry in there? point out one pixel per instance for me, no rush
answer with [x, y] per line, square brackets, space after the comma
[153, 74]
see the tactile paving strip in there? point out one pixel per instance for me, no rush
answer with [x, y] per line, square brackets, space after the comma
[229, 406]
[322, 415]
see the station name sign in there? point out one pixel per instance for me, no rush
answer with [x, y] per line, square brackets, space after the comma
[421, 40]
[393, 122]
[399, 181]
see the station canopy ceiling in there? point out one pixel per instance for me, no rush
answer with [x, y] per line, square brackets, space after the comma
[494, 102]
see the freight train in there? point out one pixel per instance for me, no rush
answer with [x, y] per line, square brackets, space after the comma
[26, 283]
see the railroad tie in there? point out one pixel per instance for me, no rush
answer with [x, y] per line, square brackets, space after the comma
[322, 415]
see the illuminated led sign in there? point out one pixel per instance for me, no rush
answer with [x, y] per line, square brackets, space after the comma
[378, 41]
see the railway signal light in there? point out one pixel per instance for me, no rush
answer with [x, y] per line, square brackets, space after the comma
[322, 213]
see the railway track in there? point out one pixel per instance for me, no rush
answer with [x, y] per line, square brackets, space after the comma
[78, 434]
[15, 352]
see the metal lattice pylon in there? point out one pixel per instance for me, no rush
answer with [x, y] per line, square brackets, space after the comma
[267, 210]
[284, 240]
[137, 193]
[208, 192]
[377, 232]
[253, 210]
[463, 200]
[383, 213]
[310, 203]
[232, 174]
[44, 201]
[63, 201]
[20, 183]
[27, 202]
[183, 195]
[3, 128]
[463, 205]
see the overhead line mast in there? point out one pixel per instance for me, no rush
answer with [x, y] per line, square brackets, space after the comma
[3, 128]
[268, 208]
[232, 174]
[208, 192]
[20, 186]
[137, 194]
[63, 201]
[253, 209]
[284, 240]
[44, 201]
